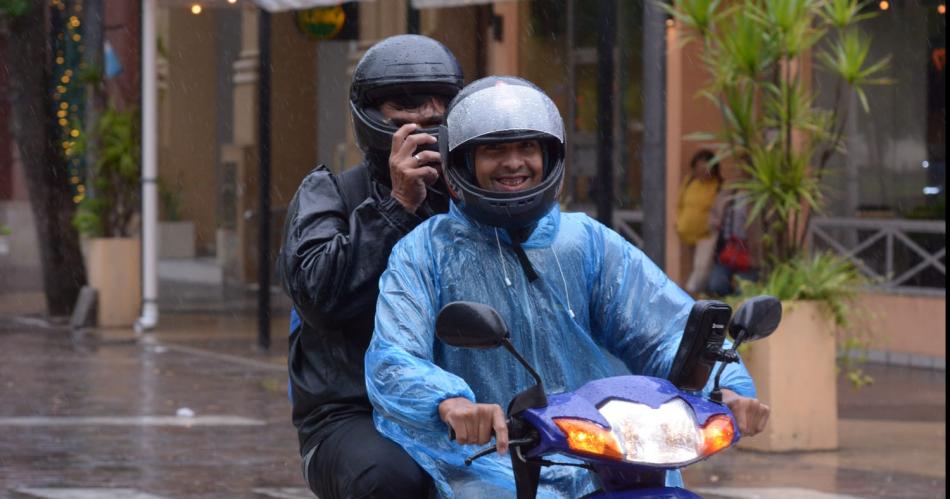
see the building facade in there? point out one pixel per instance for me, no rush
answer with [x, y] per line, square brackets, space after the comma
[208, 79]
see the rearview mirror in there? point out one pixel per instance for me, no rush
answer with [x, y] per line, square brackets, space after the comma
[466, 324]
[756, 318]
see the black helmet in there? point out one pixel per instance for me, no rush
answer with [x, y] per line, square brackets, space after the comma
[501, 109]
[398, 67]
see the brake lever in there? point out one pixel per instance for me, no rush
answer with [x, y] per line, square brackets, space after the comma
[478, 455]
[515, 444]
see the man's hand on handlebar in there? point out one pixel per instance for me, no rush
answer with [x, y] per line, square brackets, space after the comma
[751, 415]
[474, 423]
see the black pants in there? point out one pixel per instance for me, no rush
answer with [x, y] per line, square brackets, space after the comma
[357, 462]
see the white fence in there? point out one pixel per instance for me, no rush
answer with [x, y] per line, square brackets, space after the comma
[629, 224]
[906, 256]
[898, 255]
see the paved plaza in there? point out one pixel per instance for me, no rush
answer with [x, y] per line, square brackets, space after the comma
[195, 410]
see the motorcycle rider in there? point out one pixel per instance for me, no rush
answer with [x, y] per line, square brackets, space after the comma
[580, 301]
[337, 238]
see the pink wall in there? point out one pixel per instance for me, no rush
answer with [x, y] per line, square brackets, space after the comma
[907, 324]
[686, 113]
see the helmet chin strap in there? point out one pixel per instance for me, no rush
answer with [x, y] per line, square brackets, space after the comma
[519, 236]
[437, 201]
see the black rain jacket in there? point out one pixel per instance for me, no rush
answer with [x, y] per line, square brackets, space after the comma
[338, 235]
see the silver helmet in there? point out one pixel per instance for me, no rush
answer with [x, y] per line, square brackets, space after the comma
[501, 109]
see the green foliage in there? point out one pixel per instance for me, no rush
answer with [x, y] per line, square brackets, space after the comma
[823, 277]
[852, 352]
[832, 281]
[697, 15]
[14, 8]
[847, 58]
[773, 128]
[5, 230]
[778, 185]
[745, 47]
[90, 74]
[171, 200]
[841, 14]
[794, 32]
[114, 178]
[90, 216]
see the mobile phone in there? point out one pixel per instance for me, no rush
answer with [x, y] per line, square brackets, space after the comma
[703, 338]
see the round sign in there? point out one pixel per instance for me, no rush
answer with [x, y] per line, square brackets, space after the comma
[321, 23]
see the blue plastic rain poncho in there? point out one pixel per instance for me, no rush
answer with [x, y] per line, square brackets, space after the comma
[598, 299]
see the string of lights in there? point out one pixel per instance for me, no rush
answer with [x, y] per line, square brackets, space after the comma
[886, 5]
[68, 90]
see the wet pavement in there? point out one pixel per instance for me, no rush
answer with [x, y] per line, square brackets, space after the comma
[892, 444]
[196, 410]
[171, 421]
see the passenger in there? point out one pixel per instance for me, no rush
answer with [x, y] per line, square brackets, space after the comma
[338, 235]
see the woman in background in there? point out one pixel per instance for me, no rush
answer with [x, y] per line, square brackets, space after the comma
[692, 217]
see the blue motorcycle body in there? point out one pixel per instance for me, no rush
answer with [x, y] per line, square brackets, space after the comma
[627, 477]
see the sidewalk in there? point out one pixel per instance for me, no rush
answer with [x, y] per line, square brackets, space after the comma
[892, 444]
[194, 409]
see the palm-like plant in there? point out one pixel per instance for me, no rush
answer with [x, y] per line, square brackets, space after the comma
[773, 128]
[778, 135]
[114, 178]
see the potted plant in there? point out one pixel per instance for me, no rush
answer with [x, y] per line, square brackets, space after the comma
[796, 372]
[106, 216]
[756, 52]
[176, 236]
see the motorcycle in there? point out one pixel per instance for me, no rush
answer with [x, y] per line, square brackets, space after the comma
[628, 431]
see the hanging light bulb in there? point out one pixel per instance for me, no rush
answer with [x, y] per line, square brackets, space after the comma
[196, 9]
[942, 9]
[884, 5]
[232, 2]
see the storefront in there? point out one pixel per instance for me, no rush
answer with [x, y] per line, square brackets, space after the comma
[552, 43]
[897, 152]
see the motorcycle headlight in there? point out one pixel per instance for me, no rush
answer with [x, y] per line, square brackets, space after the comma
[639, 433]
[665, 435]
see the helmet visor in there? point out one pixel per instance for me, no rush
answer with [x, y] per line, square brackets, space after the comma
[503, 108]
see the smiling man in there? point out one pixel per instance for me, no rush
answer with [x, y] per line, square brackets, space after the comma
[581, 302]
[509, 166]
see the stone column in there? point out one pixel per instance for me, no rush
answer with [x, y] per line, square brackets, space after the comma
[236, 234]
[503, 54]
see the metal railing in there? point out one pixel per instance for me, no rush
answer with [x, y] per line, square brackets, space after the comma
[629, 224]
[905, 256]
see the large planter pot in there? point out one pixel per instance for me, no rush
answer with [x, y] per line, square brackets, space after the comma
[114, 270]
[176, 239]
[794, 372]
